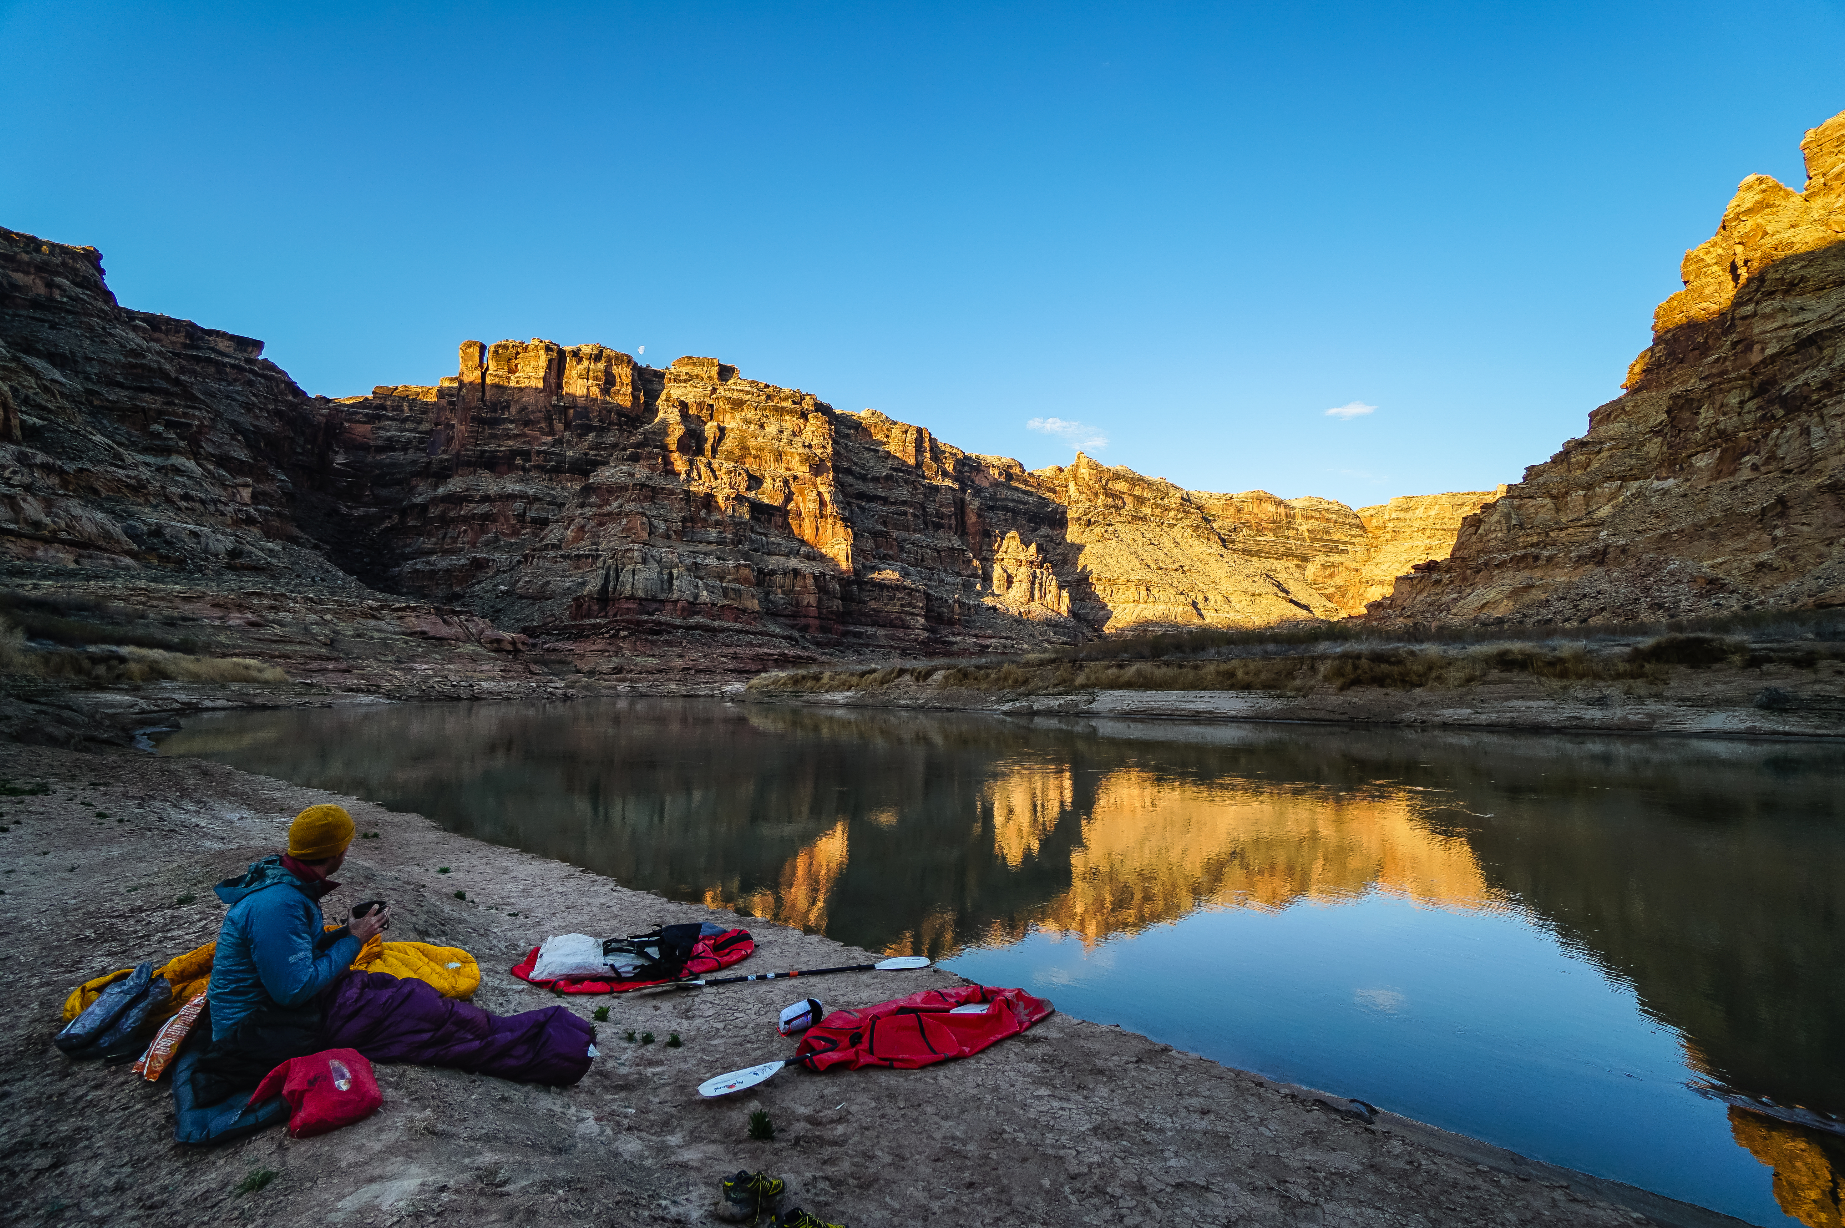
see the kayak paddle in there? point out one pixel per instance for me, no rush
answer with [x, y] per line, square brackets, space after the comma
[897, 963]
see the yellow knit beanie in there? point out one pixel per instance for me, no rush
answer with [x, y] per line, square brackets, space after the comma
[319, 832]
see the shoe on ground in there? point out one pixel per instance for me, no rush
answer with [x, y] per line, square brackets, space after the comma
[798, 1218]
[749, 1196]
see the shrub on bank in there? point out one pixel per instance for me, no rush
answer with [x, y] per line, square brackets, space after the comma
[1697, 651]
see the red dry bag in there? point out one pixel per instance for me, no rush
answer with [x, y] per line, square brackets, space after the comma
[921, 1029]
[327, 1090]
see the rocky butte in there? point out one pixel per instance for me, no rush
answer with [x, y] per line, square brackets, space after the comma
[1716, 482]
[574, 494]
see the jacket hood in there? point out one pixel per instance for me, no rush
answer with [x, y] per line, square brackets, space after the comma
[269, 872]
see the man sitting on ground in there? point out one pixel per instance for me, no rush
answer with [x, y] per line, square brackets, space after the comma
[281, 988]
[273, 957]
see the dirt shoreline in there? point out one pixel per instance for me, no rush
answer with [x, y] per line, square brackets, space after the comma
[1707, 706]
[1073, 1123]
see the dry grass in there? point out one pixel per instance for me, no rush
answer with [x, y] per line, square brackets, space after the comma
[114, 665]
[49, 618]
[1823, 625]
[1445, 666]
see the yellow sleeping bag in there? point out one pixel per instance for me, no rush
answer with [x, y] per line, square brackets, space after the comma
[452, 971]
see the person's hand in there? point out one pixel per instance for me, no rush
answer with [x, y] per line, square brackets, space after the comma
[372, 923]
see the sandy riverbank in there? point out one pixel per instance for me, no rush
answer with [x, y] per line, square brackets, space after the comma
[1072, 1123]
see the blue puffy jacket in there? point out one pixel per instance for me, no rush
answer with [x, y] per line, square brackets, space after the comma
[271, 947]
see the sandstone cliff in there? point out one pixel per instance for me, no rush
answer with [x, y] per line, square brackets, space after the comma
[572, 489]
[574, 494]
[1152, 553]
[1407, 531]
[1717, 481]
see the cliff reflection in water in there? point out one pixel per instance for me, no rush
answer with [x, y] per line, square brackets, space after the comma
[1709, 875]
[1149, 848]
[1809, 1166]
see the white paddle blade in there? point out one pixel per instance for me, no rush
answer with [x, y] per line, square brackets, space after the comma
[902, 963]
[737, 1080]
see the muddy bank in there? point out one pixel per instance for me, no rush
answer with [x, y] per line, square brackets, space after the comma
[349, 644]
[1073, 1123]
[337, 634]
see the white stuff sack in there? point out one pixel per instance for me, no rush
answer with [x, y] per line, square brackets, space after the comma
[568, 955]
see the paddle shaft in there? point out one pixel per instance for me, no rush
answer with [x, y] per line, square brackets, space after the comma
[778, 976]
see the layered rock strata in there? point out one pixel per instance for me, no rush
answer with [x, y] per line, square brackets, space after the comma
[1716, 482]
[572, 489]
[573, 494]
[1407, 531]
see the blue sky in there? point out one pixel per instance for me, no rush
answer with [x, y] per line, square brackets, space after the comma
[1190, 229]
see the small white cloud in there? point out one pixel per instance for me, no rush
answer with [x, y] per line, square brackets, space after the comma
[1390, 1001]
[1076, 434]
[1357, 409]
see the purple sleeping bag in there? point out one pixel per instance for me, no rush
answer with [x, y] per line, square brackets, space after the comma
[392, 1020]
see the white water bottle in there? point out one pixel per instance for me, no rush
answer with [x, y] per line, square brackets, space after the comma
[342, 1077]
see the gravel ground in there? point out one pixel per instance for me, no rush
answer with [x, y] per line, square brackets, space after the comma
[1072, 1123]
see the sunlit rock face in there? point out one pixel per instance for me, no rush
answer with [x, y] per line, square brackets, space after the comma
[577, 495]
[1406, 531]
[570, 489]
[1717, 481]
[1151, 552]
[1765, 223]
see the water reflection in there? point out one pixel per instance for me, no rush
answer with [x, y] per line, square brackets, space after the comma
[1708, 876]
[1809, 1167]
[1151, 849]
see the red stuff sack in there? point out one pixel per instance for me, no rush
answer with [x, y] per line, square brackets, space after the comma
[327, 1090]
[922, 1029]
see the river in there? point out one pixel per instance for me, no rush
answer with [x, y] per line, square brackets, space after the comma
[1570, 946]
